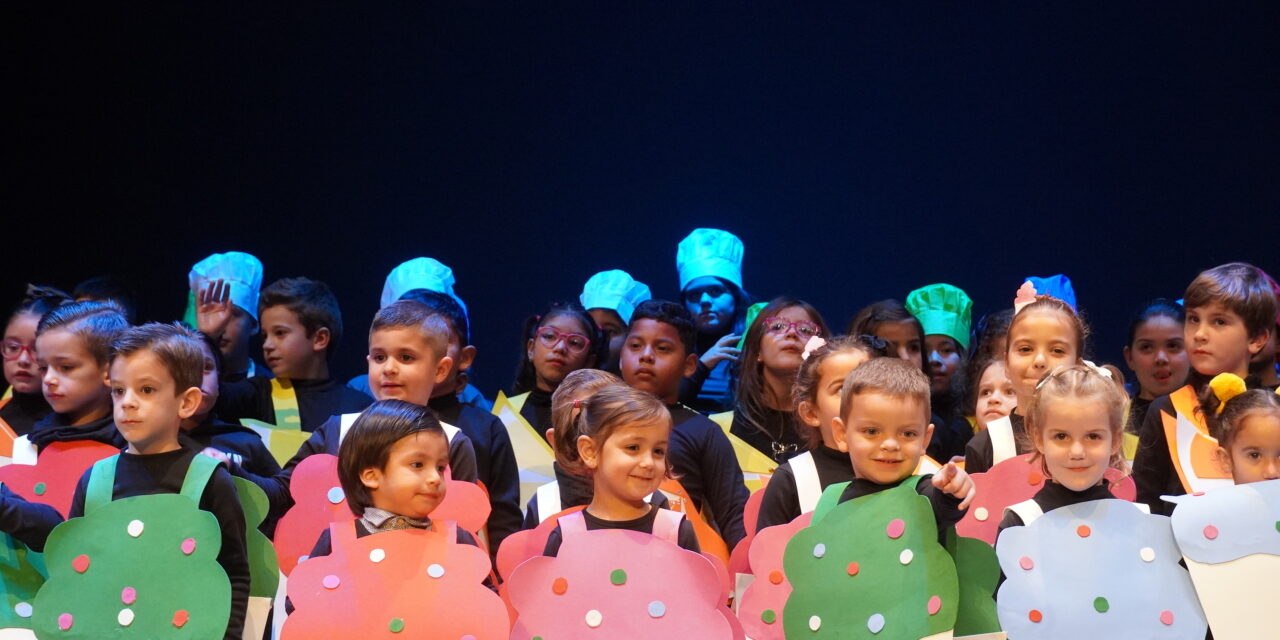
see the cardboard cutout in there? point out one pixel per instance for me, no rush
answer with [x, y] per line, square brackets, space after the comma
[533, 454]
[282, 442]
[52, 479]
[264, 569]
[709, 540]
[761, 607]
[529, 543]
[1191, 448]
[1100, 569]
[1230, 540]
[756, 466]
[318, 502]
[22, 573]
[978, 572]
[740, 559]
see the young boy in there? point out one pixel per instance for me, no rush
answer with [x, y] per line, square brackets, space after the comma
[302, 327]
[155, 384]
[657, 355]
[224, 306]
[884, 427]
[203, 429]
[611, 297]
[1231, 312]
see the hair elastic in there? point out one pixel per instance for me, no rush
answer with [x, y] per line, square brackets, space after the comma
[1226, 386]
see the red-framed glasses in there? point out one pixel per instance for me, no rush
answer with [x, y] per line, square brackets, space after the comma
[549, 337]
[780, 325]
[12, 350]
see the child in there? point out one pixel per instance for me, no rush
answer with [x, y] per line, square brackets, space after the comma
[302, 327]
[224, 306]
[610, 297]
[1156, 353]
[945, 312]
[765, 416]
[890, 321]
[993, 396]
[657, 355]
[993, 336]
[560, 341]
[622, 447]
[1231, 312]
[109, 288]
[23, 404]
[1045, 334]
[240, 444]
[1246, 424]
[798, 483]
[1265, 365]
[883, 426]
[709, 262]
[1075, 418]
[155, 384]
[73, 343]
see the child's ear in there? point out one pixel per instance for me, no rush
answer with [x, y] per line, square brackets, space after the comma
[442, 369]
[690, 365]
[320, 339]
[551, 438]
[838, 434]
[188, 402]
[928, 437]
[587, 451]
[1258, 342]
[808, 414]
[371, 478]
[1224, 460]
[466, 358]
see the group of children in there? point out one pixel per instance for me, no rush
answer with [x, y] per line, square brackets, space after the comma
[652, 416]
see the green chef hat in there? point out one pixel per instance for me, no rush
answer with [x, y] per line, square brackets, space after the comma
[943, 309]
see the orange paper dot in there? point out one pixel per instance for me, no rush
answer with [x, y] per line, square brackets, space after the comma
[775, 577]
[1034, 478]
[559, 586]
[80, 563]
[1035, 616]
[180, 618]
[853, 568]
[1083, 531]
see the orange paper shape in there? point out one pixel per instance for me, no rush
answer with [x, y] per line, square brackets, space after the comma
[1008, 483]
[612, 583]
[1191, 448]
[52, 479]
[397, 584]
[318, 502]
[761, 608]
[464, 503]
[708, 539]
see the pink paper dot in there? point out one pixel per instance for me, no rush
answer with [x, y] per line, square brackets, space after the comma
[1026, 563]
[189, 546]
[80, 563]
[895, 528]
[65, 621]
[1211, 532]
[1166, 617]
[935, 605]
[128, 595]
[331, 581]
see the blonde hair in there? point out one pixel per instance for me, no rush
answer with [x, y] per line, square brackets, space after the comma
[1087, 383]
[611, 406]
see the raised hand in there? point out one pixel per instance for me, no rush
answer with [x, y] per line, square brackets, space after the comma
[724, 349]
[213, 308]
[954, 481]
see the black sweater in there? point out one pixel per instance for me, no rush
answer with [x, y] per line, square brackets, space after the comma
[946, 508]
[244, 445]
[140, 475]
[1153, 471]
[781, 501]
[54, 428]
[24, 410]
[495, 462]
[317, 400]
[704, 462]
[1052, 496]
[28, 522]
[686, 538]
[537, 410]
[979, 455]
[575, 491]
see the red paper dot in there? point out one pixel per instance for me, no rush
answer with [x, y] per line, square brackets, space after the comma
[775, 577]
[895, 528]
[559, 586]
[853, 568]
[1166, 617]
[1083, 531]
[1035, 616]
[935, 605]
[1211, 532]
[1034, 478]
[81, 563]
[1026, 563]
[180, 618]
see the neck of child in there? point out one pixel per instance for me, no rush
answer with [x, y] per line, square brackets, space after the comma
[615, 508]
[777, 390]
[313, 370]
[159, 445]
[543, 385]
[92, 414]
[1268, 375]
[189, 424]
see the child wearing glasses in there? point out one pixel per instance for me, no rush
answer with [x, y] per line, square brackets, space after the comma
[765, 416]
[557, 342]
[23, 403]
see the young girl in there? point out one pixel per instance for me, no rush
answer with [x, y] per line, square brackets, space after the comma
[765, 415]
[798, 483]
[890, 321]
[1075, 418]
[23, 404]
[709, 262]
[558, 342]
[1247, 427]
[1156, 353]
[993, 396]
[945, 313]
[1044, 335]
[622, 447]
[203, 429]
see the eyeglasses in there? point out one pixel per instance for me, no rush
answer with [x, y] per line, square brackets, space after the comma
[13, 349]
[549, 337]
[782, 325]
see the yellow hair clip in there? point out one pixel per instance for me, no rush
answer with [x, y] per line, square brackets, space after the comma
[1226, 386]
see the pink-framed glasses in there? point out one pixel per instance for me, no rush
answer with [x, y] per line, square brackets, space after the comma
[549, 337]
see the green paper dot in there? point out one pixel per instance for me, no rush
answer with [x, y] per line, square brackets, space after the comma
[537, 638]
[1277, 525]
[1101, 605]
[768, 616]
[618, 577]
[397, 625]
[40, 488]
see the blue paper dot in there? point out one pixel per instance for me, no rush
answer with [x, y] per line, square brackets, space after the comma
[875, 623]
[657, 609]
[336, 495]
[819, 550]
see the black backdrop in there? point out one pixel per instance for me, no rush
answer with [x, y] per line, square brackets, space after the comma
[859, 149]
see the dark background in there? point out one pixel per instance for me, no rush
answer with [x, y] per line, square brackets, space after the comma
[859, 149]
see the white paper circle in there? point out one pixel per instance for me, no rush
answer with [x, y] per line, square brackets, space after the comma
[125, 618]
[815, 623]
[594, 618]
[819, 550]
[23, 609]
[1147, 554]
[377, 555]
[435, 571]
[981, 514]
[906, 556]
[135, 528]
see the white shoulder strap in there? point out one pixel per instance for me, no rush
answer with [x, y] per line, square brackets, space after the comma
[808, 486]
[1028, 510]
[1003, 445]
[548, 500]
[344, 425]
[450, 431]
[24, 452]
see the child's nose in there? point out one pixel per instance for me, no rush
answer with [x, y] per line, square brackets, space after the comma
[1273, 469]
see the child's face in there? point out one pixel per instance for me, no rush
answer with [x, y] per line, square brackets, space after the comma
[288, 351]
[653, 359]
[613, 329]
[904, 338]
[1076, 441]
[1219, 341]
[234, 343]
[1255, 448]
[712, 304]
[208, 383]
[412, 482]
[148, 404]
[996, 397]
[1158, 356]
[884, 436]
[822, 413]
[631, 463]
[944, 361]
[403, 366]
[559, 347]
[781, 348]
[20, 368]
[74, 383]
[1039, 342]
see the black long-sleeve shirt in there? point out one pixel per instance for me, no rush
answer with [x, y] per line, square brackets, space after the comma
[495, 462]
[704, 462]
[54, 428]
[23, 411]
[686, 537]
[781, 501]
[28, 522]
[317, 400]
[979, 455]
[575, 491]
[537, 410]
[141, 475]
[243, 444]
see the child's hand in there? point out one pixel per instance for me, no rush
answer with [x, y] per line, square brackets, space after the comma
[213, 309]
[724, 349]
[954, 481]
[217, 454]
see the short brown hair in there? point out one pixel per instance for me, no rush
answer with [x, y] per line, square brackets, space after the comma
[312, 301]
[1240, 287]
[380, 426]
[96, 323]
[889, 376]
[434, 327]
[178, 348]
